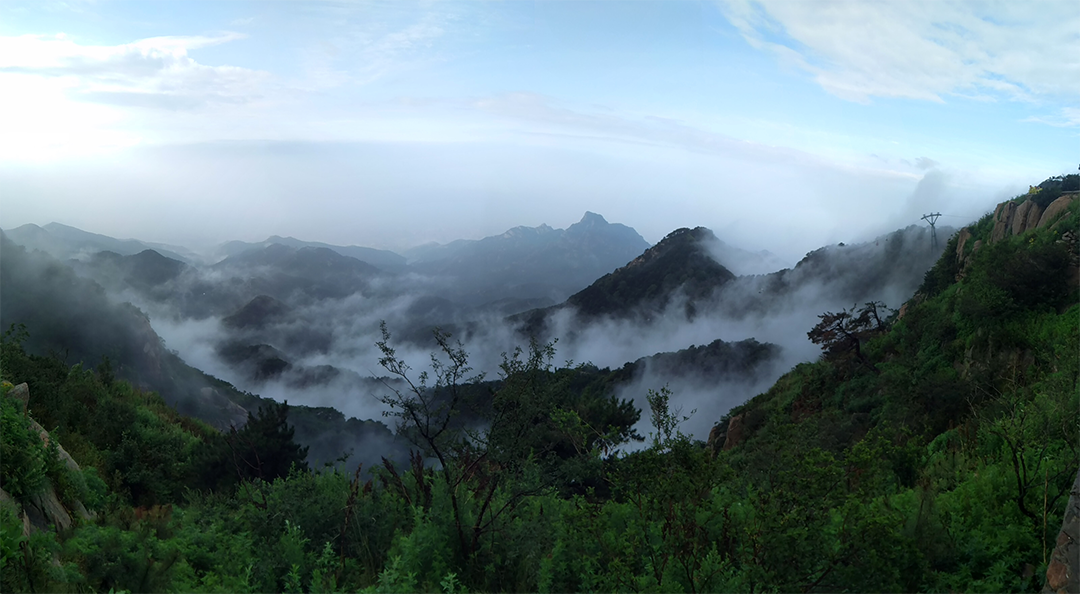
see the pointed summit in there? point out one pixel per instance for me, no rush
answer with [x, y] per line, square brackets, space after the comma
[680, 262]
[592, 219]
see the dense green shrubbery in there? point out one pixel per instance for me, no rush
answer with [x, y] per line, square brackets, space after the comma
[25, 456]
[938, 457]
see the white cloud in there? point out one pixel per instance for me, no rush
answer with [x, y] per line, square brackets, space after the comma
[154, 72]
[1068, 117]
[60, 93]
[921, 50]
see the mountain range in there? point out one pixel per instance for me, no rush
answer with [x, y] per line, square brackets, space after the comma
[290, 316]
[925, 448]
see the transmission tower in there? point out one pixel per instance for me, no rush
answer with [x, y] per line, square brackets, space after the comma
[932, 218]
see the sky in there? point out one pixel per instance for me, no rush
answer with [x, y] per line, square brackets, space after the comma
[781, 125]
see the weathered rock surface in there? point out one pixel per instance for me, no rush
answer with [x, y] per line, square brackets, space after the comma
[45, 508]
[1003, 215]
[65, 457]
[1026, 217]
[229, 413]
[21, 393]
[717, 435]
[962, 259]
[1063, 572]
[1054, 210]
[1011, 218]
[961, 242]
[734, 432]
[48, 505]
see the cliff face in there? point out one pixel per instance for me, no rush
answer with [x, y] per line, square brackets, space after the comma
[1011, 218]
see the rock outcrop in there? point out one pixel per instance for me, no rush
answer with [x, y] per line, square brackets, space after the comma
[1011, 219]
[1003, 216]
[44, 508]
[1063, 572]
[732, 431]
[1026, 217]
[1015, 219]
[1055, 209]
[735, 432]
[962, 259]
[21, 393]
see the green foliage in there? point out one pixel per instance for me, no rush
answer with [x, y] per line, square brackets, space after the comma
[25, 456]
[928, 453]
[135, 560]
[664, 420]
[262, 449]
[1052, 188]
[11, 551]
[943, 273]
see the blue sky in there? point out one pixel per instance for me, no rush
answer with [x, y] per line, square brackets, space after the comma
[780, 125]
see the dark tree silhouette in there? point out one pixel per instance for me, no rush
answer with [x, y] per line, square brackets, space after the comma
[845, 331]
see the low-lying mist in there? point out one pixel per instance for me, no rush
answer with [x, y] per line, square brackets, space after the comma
[323, 352]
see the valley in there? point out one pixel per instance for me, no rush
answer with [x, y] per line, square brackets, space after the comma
[298, 321]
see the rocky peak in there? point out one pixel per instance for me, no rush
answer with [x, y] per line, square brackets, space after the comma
[523, 232]
[679, 237]
[592, 219]
[1012, 218]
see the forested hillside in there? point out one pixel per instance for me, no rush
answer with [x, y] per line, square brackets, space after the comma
[928, 449]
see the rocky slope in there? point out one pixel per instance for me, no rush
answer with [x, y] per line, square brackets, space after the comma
[44, 508]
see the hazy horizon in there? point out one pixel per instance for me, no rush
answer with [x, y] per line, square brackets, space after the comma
[390, 125]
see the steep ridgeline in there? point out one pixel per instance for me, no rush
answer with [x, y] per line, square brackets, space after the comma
[678, 264]
[75, 319]
[949, 432]
[887, 269]
[529, 262]
[679, 279]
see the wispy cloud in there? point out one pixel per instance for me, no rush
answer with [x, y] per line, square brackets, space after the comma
[545, 115]
[1068, 117]
[155, 72]
[362, 54]
[921, 50]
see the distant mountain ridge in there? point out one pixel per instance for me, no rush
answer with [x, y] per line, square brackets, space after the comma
[382, 259]
[523, 265]
[682, 270]
[75, 318]
[530, 262]
[65, 242]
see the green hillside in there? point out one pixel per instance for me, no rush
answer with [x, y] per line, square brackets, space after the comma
[928, 450]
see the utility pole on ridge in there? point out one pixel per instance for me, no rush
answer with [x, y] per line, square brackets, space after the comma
[932, 218]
